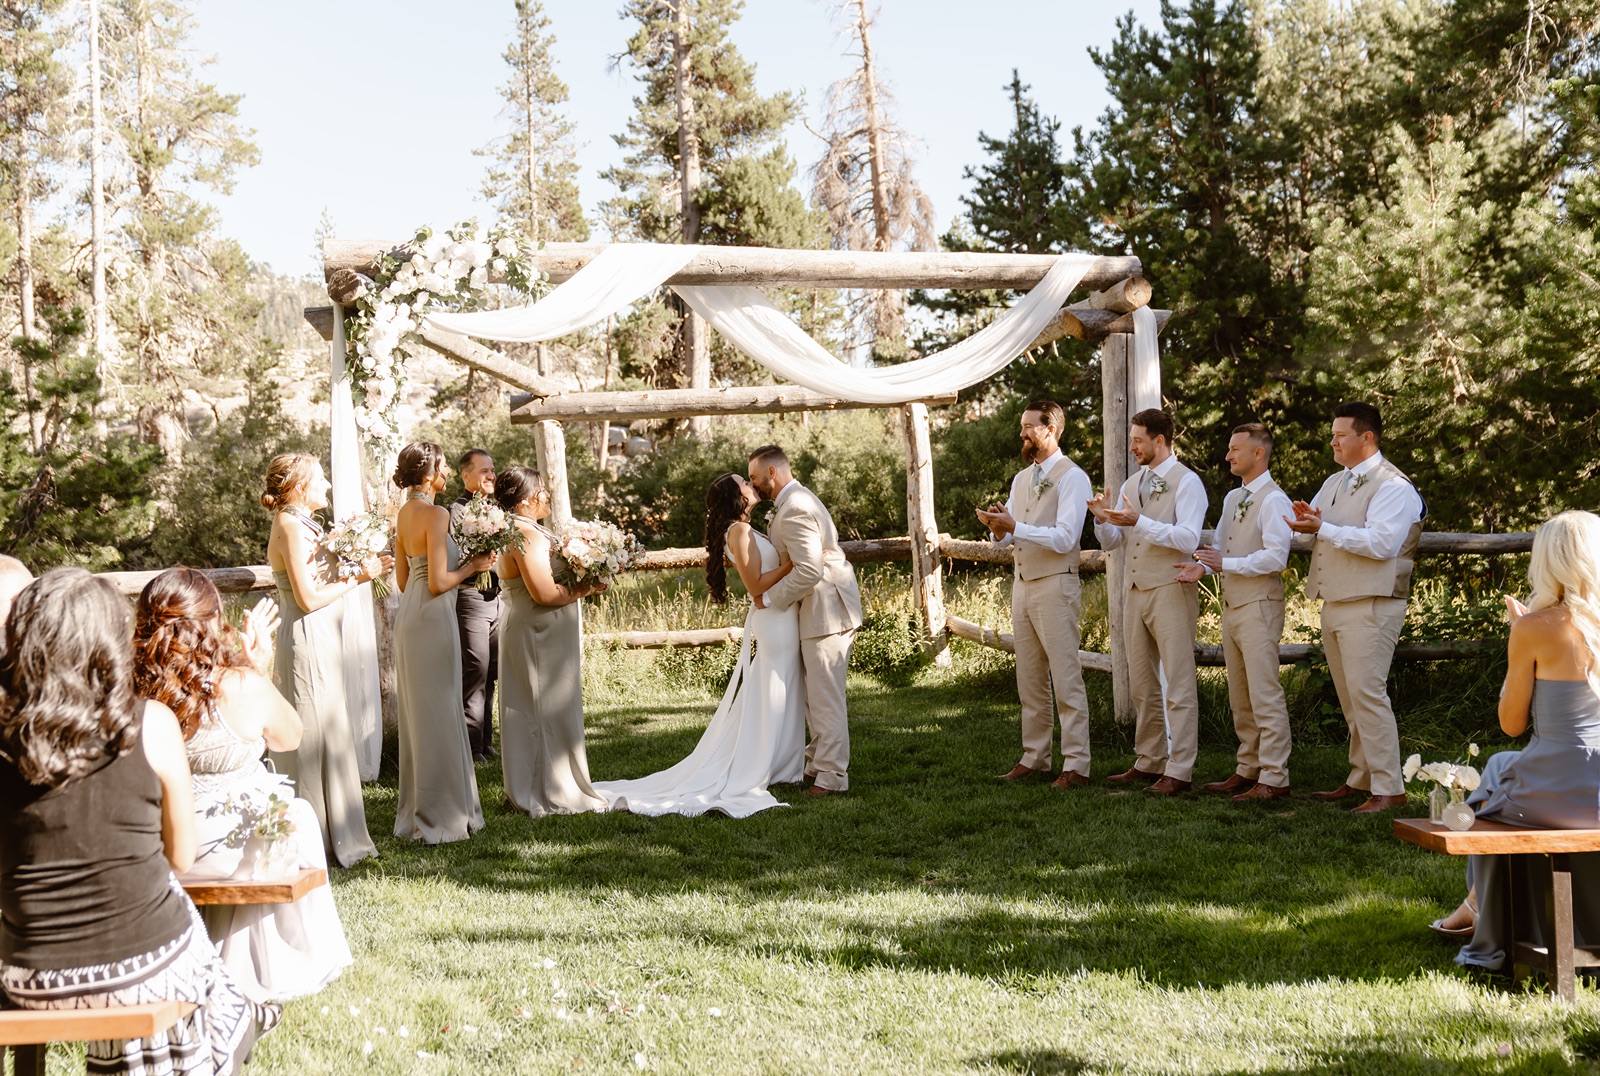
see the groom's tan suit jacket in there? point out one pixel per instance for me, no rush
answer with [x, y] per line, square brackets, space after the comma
[822, 581]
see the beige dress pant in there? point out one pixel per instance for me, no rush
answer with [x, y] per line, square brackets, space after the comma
[1250, 637]
[1358, 638]
[1159, 625]
[826, 663]
[1044, 622]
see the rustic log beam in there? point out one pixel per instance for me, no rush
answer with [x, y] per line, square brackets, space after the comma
[976, 633]
[320, 318]
[865, 551]
[624, 407]
[1093, 326]
[1121, 298]
[662, 640]
[1090, 561]
[228, 580]
[471, 353]
[926, 575]
[1211, 656]
[346, 285]
[798, 268]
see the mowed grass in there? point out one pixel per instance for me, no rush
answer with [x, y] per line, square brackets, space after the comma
[933, 920]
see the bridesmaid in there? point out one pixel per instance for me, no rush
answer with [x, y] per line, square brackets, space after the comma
[310, 655]
[541, 671]
[438, 788]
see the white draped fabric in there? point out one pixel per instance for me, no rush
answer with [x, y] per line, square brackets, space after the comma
[1145, 379]
[363, 699]
[748, 320]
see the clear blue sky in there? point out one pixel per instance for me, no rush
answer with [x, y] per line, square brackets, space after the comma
[372, 108]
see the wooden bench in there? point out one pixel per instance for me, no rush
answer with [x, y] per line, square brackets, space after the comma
[1561, 958]
[28, 1033]
[250, 892]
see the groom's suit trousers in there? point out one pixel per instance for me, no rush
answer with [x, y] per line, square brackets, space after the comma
[1158, 628]
[1358, 638]
[1044, 623]
[826, 661]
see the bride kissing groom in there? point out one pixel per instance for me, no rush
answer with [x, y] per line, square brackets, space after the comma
[793, 659]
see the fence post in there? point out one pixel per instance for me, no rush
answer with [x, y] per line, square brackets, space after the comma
[550, 445]
[926, 574]
[1117, 396]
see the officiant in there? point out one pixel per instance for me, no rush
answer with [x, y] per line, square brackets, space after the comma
[478, 617]
[1043, 522]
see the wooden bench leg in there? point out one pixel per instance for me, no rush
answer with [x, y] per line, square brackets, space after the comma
[1514, 866]
[1559, 909]
[28, 1060]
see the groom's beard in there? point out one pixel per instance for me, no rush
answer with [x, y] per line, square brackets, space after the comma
[1031, 452]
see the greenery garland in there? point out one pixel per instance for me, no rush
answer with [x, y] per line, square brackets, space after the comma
[445, 270]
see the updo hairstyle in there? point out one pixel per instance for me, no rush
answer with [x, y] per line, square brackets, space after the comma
[514, 485]
[419, 461]
[182, 643]
[287, 474]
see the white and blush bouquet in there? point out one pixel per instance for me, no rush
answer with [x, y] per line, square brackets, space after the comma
[354, 542]
[592, 551]
[484, 527]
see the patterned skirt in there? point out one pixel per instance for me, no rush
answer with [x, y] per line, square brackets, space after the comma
[209, 1040]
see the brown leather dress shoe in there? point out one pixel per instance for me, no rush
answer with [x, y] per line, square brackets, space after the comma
[1133, 773]
[1260, 791]
[1234, 783]
[1343, 792]
[818, 790]
[1020, 772]
[1379, 803]
[1069, 779]
[1168, 786]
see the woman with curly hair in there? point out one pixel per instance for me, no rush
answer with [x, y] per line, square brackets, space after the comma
[96, 813]
[310, 654]
[757, 736]
[188, 658]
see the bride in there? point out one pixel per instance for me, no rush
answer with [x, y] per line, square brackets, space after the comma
[757, 736]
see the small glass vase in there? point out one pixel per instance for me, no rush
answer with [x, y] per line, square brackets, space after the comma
[275, 860]
[1456, 814]
[1438, 799]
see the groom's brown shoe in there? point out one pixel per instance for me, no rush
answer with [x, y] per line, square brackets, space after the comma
[1343, 792]
[1019, 772]
[1134, 773]
[1169, 786]
[818, 790]
[1069, 779]
[1232, 786]
[1261, 792]
[1379, 803]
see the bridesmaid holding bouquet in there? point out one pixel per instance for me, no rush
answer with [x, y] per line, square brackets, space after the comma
[438, 800]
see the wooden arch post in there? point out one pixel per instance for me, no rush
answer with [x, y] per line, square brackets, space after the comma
[926, 577]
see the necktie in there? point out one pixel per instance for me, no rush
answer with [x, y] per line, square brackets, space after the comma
[1038, 476]
[1144, 484]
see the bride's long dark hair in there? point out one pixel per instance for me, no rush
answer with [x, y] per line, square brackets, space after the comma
[724, 507]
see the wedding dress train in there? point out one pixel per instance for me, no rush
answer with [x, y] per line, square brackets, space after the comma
[756, 738]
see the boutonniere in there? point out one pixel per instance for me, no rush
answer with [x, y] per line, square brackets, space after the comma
[1241, 508]
[1360, 480]
[1041, 485]
[1158, 485]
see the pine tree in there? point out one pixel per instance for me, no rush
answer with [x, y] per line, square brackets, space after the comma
[185, 310]
[866, 183]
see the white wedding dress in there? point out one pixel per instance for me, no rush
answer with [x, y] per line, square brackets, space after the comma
[755, 739]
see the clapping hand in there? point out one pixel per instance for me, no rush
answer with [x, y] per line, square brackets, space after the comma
[998, 519]
[1189, 573]
[1210, 556]
[1307, 520]
[1515, 610]
[1126, 516]
[260, 629]
[1098, 506]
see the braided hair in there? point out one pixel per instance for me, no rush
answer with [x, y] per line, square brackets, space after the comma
[724, 507]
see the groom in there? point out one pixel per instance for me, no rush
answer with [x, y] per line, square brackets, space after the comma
[830, 610]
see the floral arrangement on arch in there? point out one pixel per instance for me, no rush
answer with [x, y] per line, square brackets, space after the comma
[448, 269]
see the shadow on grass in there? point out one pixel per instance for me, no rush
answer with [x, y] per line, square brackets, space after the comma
[1187, 892]
[1033, 1062]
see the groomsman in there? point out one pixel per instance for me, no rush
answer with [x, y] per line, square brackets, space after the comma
[1366, 519]
[1157, 519]
[1043, 522]
[478, 619]
[1252, 550]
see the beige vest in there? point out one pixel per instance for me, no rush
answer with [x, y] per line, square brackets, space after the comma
[1034, 561]
[1338, 576]
[1242, 537]
[1151, 565]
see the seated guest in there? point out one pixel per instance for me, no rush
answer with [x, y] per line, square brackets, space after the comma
[1552, 676]
[187, 657]
[95, 814]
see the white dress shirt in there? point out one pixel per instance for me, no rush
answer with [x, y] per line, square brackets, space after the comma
[1072, 500]
[1273, 556]
[1390, 515]
[1184, 535]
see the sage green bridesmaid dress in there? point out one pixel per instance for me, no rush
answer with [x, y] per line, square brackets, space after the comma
[310, 674]
[438, 800]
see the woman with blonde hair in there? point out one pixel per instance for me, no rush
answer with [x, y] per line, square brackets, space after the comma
[310, 654]
[1552, 681]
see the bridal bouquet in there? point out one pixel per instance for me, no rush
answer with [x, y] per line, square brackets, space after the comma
[355, 541]
[591, 550]
[483, 527]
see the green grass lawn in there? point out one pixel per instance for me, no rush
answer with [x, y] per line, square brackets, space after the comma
[933, 920]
